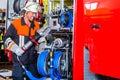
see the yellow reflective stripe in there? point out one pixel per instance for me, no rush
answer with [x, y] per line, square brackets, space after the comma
[8, 41]
[11, 45]
[2, 47]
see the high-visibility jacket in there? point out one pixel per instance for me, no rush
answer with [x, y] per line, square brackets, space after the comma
[20, 33]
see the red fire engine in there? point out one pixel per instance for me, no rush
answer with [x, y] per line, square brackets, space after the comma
[97, 27]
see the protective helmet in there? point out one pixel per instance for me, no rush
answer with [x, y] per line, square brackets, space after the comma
[32, 6]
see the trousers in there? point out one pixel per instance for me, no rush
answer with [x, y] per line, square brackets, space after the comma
[18, 73]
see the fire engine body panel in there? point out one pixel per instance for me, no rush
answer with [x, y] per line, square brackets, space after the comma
[102, 36]
[78, 45]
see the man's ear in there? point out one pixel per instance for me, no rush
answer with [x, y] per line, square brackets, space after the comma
[26, 12]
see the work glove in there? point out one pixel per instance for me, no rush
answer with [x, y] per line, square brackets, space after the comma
[44, 31]
[42, 39]
[12, 46]
[19, 51]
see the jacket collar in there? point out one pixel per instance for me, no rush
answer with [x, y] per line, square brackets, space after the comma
[23, 23]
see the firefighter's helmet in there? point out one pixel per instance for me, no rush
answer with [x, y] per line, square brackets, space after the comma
[32, 6]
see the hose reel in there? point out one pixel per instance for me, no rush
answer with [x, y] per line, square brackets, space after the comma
[58, 62]
[43, 63]
[66, 19]
[18, 4]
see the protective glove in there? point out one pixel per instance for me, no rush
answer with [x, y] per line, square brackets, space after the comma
[44, 31]
[19, 51]
[12, 46]
[42, 39]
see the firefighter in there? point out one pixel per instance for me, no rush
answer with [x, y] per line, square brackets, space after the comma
[18, 33]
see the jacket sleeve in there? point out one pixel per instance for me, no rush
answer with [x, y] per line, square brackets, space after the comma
[10, 33]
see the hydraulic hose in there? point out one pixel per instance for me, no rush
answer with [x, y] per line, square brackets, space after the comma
[28, 73]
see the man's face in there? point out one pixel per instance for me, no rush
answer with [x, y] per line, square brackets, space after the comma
[31, 15]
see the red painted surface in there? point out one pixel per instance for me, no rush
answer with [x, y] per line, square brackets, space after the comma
[103, 43]
[78, 41]
[9, 54]
[41, 2]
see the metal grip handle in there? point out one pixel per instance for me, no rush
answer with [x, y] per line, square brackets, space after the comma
[95, 26]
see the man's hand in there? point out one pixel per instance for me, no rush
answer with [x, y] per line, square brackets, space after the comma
[42, 39]
[44, 31]
[19, 51]
[12, 46]
[40, 35]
